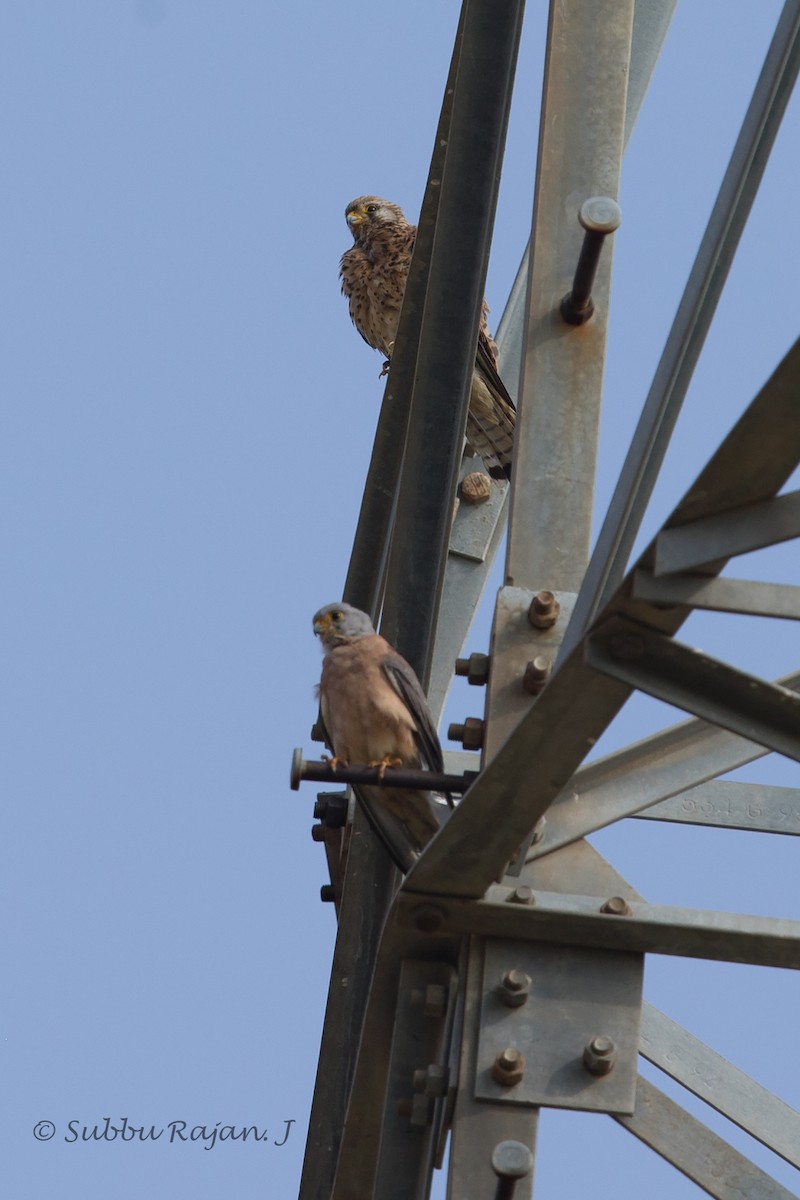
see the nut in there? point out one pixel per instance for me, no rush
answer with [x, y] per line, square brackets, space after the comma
[514, 988]
[327, 893]
[544, 610]
[470, 733]
[476, 669]
[508, 1067]
[521, 895]
[433, 1001]
[599, 1055]
[476, 488]
[432, 1080]
[536, 674]
[617, 906]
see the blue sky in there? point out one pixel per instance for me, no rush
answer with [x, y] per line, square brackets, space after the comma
[187, 424]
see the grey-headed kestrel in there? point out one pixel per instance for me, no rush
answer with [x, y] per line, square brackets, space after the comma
[375, 712]
[373, 274]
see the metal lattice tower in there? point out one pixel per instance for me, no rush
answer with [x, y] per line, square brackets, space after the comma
[503, 972]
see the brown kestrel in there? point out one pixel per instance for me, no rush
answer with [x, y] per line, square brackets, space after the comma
[373, 274]
[375, 712]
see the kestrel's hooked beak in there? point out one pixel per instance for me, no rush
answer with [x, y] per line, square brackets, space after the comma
[354, 217]
[322, 624]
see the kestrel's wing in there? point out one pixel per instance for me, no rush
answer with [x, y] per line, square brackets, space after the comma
[406, 684]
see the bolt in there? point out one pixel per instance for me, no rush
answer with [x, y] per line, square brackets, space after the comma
[508, 1067]
[432, 1080]
[510, 1161]
[476, 488]
[544, 610]
[327, 893]
[617, 906]
[428, 918]
[599, 1055]
[536, 674]
[626, 645]
[432, 1001]
[470, 734]
[521, 895]
[514, 988]
[318, 833]
[331, 808]
[476, 668]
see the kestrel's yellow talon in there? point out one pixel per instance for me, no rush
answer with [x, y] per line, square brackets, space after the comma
[335, 762]
[388, 761]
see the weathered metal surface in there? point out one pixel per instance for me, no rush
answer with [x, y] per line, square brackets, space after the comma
[745, 528]
[629, 780]
[698, 1153]
[582, 921]
[691, 324]
[723, 804]
[420, 1039]
[721, 595]
[573, 996]
[727, 1089]
[697, 683]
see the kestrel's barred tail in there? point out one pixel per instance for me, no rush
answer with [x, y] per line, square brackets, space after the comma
[373, 274]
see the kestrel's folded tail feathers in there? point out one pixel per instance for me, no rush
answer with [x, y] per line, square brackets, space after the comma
[492, 418]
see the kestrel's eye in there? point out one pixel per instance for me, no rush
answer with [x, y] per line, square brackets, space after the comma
[371, 208]
[338, 616]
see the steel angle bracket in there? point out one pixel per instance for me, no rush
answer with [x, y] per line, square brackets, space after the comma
[572, 1000]
[420, 1082]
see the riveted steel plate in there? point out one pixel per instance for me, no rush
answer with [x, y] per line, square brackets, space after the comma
[575, 995]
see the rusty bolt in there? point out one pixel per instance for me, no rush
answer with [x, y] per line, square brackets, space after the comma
[544, 610]
[476, 668]
[626, 645]
[521, 895]
[536, 674]
[432, 1001]
[428, 918]
[470, 734]
[599, 1055]
[318, 833]
[514, 988]
[617, 906]
[476, 488]
[508, 1067]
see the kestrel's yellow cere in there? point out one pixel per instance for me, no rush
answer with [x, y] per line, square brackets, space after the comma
[373, 274]
[375, 712]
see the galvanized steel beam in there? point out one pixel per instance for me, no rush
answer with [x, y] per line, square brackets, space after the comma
[624, 783]
[723, 804]
[691, 324]
[534, 764]
[730, 1091]
[698, 1153]
[739, 531]
[612, 923]
[449, 332]
[688, 679]
[744, 596]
